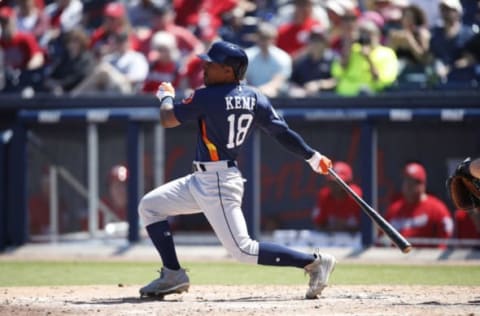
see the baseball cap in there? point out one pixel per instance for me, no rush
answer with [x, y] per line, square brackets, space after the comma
[415, 171]
[452, 4]
[114, 9]
[374, 16]
[118, 173]
[6, 12]
[343, 170]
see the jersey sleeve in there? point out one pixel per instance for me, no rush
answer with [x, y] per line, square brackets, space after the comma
[273, 124]
[267, 118]
[190, 108]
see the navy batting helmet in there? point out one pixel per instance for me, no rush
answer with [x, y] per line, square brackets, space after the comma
[228, 54]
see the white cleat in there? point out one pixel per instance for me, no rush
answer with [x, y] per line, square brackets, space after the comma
[169, 282]
[319, 272]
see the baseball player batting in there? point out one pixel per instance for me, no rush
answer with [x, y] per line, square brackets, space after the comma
[226, 111]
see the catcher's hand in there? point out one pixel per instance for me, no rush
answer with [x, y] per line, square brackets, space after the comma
[464, 189]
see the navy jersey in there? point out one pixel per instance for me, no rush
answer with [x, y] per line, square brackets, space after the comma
[226, 116]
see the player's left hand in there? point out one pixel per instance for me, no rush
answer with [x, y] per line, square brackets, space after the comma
[320, 163]
[165, 89]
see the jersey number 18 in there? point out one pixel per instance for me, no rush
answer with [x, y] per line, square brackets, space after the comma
[237, 129]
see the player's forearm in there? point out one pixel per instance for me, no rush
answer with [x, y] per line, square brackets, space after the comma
[294, 143]
[167, 114]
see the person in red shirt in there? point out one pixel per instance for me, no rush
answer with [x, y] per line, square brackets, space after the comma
[467, 225]
[21, 50]
[114, 202]
[293, 36]
[198, 14]
[22, 55]
[187, 42]
[163, 62]
[31, 18]
[115, 22]
[116, 197]
[417, 214]
[335, 210]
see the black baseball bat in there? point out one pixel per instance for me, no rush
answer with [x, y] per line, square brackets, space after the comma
[381, 223]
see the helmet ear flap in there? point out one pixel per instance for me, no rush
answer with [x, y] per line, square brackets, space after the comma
[239, 65]
[240, 73]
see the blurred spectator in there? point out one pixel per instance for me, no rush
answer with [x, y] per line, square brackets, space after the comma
[116, 198]
[122, 71]
[93, 13]
[115, 22]
[238, 28]
[285, 12]
[418, 214]
[448, 42]
[187, 42]
[191, 72]
[470, 58]
[64, 15]
[335, 210]
[73, 66]
[163, 59]
[376, 18]
[411, 43]
[269, 66]
[141, 12]
[114, 203]
[431, 9]
[293, 35]
[31, 18]
[22, 56]
[344, 32]
[369, 67]
[197, 15]
[471, 13]
[391, 12]
[311, 72]
[467, 225]
[39, 209]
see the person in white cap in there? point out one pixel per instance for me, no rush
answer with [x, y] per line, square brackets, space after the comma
[449, 39]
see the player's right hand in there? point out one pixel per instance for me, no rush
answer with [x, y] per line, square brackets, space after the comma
[320, 163]
[165, 89]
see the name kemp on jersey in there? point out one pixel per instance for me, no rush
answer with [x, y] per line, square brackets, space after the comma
[240, 103]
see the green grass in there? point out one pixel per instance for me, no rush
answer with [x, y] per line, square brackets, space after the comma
[39, 273]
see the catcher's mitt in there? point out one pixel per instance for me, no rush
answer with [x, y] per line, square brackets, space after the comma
[464, 189]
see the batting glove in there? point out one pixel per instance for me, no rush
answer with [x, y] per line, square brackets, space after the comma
[319, 163]
[165, 89]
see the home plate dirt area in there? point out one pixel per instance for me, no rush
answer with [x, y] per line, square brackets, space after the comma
[242, 300]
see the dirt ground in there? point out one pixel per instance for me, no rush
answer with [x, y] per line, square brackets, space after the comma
[242, 300]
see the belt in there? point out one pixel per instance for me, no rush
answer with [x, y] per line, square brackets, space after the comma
[198, 166]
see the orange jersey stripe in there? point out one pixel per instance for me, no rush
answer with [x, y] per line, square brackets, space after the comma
[210, 146]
